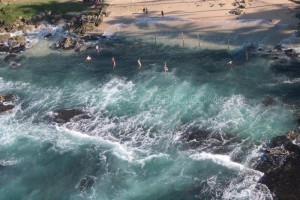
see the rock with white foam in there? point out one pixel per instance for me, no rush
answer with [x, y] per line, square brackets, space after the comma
[280, 162]
[66, 115]
[7, 102]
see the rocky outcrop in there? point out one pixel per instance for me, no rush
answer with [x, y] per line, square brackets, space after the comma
[68, 43]
[14, 44]
[66, 115]
[7, 102]
[215, 142]
[280, 163]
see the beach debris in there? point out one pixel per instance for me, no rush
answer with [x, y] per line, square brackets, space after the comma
[236, 11]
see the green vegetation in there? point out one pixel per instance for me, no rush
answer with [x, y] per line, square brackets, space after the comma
[12, 12]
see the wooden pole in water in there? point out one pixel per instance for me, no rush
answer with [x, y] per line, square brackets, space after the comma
[155, 37]
[228, 44]
[199, 40]
[182, 39]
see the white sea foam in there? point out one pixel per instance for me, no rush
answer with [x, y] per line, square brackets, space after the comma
[8, 162]
[225, 161]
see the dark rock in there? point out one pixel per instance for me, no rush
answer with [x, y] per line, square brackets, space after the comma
[291, 53]
[290, 69]
[4, 108]
[8, 98]
[280, 164]
[7, 102]
[4, 48]
[88, 38]
[67, 43]
[17, 49]
[86, 183]
[48, 35]
[215, 142]
[66, 115]
[10, 58]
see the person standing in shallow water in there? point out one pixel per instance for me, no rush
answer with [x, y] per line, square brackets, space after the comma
[139, 64]
[97, 48]
[162, 13]
[166, 68]
[88, 58]
[113, 62]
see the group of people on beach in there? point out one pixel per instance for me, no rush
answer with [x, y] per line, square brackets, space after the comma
[114, 64]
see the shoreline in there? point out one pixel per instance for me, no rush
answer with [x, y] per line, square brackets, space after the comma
[208, 23]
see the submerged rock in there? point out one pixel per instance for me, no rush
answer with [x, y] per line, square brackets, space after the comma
[48, 35]
[12, 60]
[268, 101]
[280, 164]
[4, 48]
[66, 115]
[86, 183]
[290, 69]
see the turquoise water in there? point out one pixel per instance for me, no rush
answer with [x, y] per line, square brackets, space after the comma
[134, 146]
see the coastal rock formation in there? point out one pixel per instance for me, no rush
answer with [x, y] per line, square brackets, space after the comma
[215, 142]
[7, 102]
[68, 43]
[280, 162]
[66, 115]
[14, 44]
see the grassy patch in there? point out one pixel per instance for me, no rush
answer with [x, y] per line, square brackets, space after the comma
[10, 13]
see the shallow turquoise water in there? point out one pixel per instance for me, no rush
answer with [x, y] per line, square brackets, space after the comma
[132, 148]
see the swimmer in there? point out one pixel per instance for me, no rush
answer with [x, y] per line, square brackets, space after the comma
[113, 61]
[88, 58]
[229, 63]
[166, 68]
[139, 63]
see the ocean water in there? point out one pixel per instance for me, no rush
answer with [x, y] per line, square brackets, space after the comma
[141, 142]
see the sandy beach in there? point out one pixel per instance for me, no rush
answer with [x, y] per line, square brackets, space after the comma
[204, 23]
